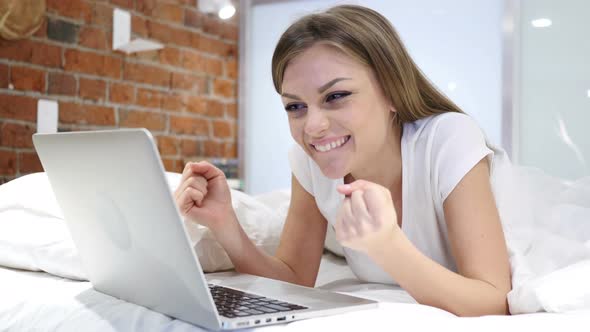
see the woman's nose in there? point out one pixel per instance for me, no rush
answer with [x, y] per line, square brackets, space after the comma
[316, 123]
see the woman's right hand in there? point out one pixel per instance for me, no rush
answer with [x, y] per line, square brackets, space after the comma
[203, 195]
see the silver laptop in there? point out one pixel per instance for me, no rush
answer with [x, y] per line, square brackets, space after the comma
[133, 244]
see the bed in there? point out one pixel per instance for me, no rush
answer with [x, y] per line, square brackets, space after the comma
[38, 301]
[42, 286]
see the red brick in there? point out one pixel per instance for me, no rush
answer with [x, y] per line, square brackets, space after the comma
[168, 12]
[193, 61]
[138, 119]
[28, 79]
[222, 128]
[18, 50]
[112, 67]
[46, 55]
[190, 147]
[230, 32]
[76, 9]
[194, 83]
[215, 46]
[70, 113]
[182, 37]
[196, 104]
[230, 150]
[213, 66]
[172, 35]
[94, 38]
[102, 15]
[92, 63]
[231, 110]
[139, 26]
[224, 88]
[122, 93]
[7, 162]
[174, 102]
[146, 6]
[29, 163]
[173, 165]
[170, 56]
[149, 98]
[61, 84]
[188, 125]
[159, 31]
[214, 108]
[231, 68]
[212, 25]
[167, 145]
[195, 41]
[18, 107]
[147, 74]
[231, 50]
[17, 135]
[3, 76]
[123, 3]
[213, 149]
[92, 89]
[193, 18]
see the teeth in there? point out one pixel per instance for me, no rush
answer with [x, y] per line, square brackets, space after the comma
[332, 145]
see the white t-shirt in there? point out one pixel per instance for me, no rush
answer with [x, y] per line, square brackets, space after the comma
[437, 152]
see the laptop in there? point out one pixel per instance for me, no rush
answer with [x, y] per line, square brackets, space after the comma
[133, 244]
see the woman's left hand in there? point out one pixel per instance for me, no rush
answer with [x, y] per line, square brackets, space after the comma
[367, 219]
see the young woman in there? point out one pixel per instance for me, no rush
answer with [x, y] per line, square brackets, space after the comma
[399, 171]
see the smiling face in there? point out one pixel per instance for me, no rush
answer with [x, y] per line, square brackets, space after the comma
[337, 112]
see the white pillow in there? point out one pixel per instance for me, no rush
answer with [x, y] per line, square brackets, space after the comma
[33, 235]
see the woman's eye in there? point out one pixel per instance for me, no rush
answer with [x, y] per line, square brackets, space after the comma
[294, 107]
[336, 95]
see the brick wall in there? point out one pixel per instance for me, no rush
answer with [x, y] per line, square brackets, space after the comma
[185, 94]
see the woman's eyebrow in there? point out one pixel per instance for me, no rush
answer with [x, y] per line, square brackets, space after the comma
[321, 89]
[332, 82]
[290, 96]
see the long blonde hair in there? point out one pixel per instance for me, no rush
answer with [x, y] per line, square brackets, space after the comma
[368, 37]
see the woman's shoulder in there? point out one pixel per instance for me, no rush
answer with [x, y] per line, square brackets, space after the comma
[447, 119]
[442, 125]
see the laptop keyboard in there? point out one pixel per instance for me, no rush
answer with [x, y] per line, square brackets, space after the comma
[233, 303]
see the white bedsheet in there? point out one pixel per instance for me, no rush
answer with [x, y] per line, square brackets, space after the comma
[37, 301]
[33, 237]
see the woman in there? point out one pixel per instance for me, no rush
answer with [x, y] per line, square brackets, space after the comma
[395, 167]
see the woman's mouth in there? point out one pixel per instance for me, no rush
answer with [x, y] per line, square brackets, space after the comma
[331, 145]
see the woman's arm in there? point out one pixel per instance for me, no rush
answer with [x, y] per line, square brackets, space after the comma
[299, 253]
[477, 243]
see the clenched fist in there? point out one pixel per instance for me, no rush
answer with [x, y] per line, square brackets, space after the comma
[367, 218]
[203, 195]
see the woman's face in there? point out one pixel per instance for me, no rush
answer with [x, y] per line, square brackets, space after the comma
[336, 110]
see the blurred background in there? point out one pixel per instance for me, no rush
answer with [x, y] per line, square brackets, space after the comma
[197, 75]
[179, 79]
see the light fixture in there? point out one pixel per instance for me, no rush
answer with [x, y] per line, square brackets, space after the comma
[588, 93]
[122, 35]
[452, 86]
[223, 8]
[541, 23]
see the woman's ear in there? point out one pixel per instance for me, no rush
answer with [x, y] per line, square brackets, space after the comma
[393, 110]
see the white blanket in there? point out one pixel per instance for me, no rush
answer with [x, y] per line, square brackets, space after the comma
[547, 226]
[551, 265]
[36, 301]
